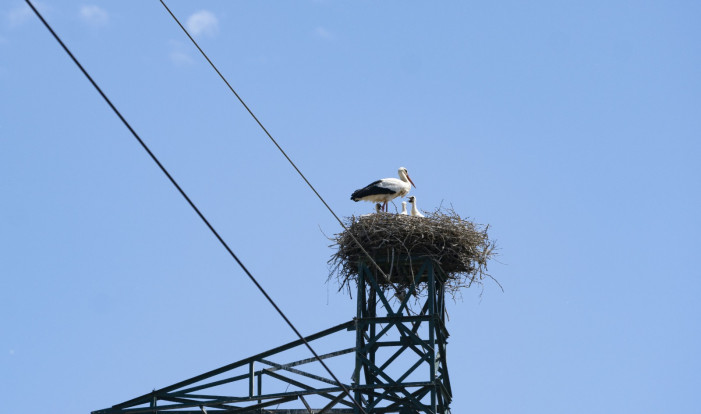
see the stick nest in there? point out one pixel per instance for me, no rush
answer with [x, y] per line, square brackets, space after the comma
[400, 244]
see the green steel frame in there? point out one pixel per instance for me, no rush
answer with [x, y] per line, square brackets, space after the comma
[398, 363]
[419, 348]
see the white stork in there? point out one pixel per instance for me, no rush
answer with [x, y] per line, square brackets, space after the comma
[385, 190]
[414, 211]
[403, 208]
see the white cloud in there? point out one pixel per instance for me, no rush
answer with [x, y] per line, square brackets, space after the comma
[323, 33]
[21, 14]
[178, 54]
[203, 22]
[180, 58]
[94, 15]
[18, 15]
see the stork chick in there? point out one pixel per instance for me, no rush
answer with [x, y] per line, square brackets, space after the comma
[414, 210]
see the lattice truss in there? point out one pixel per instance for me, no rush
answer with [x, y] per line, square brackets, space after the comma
[398, 364]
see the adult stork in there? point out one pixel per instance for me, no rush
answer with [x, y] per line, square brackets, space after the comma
[414, 210]
[385, 190]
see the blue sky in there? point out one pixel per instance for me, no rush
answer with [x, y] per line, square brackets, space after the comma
[572, 128]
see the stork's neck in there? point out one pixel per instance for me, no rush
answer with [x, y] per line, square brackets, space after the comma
[414, 210]
[403, 177]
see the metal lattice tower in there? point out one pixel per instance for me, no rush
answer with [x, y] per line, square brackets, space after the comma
[397, 365]
[401, 354]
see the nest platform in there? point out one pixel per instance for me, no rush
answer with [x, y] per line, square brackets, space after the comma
[400, 245]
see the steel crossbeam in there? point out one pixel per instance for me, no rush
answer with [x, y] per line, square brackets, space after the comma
[398, 364]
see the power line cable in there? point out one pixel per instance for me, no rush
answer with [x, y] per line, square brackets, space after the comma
[386, 277]
[191, 203]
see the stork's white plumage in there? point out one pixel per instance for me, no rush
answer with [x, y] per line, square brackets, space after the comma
[385, 190]
[404, 208]
[414, 210]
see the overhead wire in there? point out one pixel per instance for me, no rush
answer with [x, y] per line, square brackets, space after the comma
[191, 203]
[265, 130]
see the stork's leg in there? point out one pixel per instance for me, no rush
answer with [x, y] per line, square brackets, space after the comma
[384, 207]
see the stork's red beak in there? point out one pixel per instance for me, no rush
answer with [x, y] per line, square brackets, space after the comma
[409, 178]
